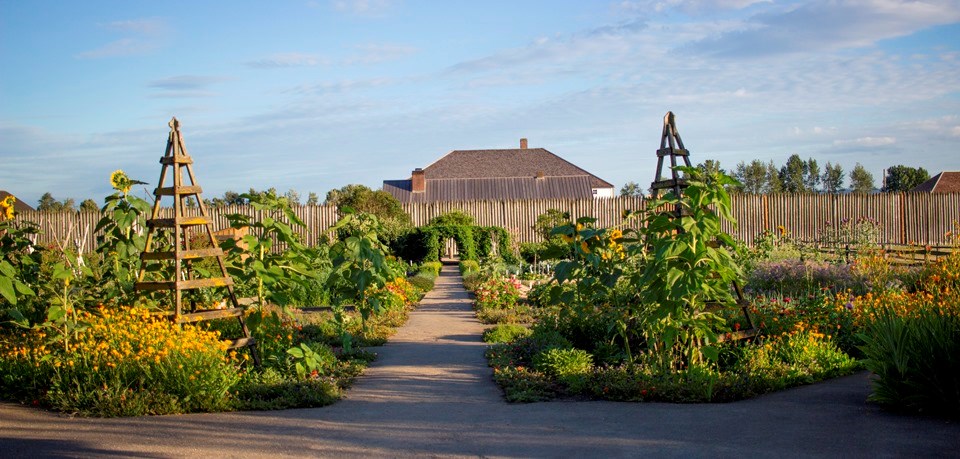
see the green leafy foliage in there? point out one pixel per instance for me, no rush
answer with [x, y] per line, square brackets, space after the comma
[122, 238]
[274, 276]
[689, 266]
[916, 358]
[504, 333]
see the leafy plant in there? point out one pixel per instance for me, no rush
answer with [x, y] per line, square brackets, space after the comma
[19, 258]
[274, 275]
[916, 357]
[505, 333]
[307, 362]
[122, 239]
[689, 266]
[359, 268]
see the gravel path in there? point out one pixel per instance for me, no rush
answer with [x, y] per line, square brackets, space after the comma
[431, 394]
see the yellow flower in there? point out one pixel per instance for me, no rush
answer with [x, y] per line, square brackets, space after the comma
[616, 234]
[567, 238]
[6, 208]
[120, 182]
[584, 247]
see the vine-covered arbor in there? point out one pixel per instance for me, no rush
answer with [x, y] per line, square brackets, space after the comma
[473, 242]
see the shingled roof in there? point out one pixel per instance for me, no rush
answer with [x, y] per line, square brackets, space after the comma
[944, 182]
[18, 205]
[520, 162]
[484, 189]
[520, 173]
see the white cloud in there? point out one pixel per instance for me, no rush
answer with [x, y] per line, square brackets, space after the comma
[184, 86]
[830, 25]
[375, 53]
[687, 6]
[867, 142]
[141, 36]
[281, 60]
[362, 7]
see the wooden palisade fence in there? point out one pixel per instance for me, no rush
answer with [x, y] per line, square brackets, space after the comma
[904, 218]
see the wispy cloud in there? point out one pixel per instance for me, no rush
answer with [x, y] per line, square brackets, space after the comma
[687, 6]
[362, 7]
[375, 53]
[282, 60]
[185, 86]
[344, 85]
[139, 37]
[364, 54]
[866, 142]
[829, 25]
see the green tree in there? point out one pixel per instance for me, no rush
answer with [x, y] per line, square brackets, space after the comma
[793, 175]
[313, 199]
[549, 220]
[774, 184]
[811, 179]
[710, 166]
[48, 203]
[232, 198]
[454, 218]
[861, 181]
[393, 220]
[631, 189]
[293, 197]
[904, 178]
[752, 177]
[89, 205]
[832, 178]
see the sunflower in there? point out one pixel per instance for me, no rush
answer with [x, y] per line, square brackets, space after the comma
[6, 208]
[616, 234]
[120, 182]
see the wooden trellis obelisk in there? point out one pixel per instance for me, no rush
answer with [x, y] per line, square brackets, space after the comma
[179, 251]
[672, 146]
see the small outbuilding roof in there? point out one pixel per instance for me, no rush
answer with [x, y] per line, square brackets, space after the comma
[944, 182]
[18, 205]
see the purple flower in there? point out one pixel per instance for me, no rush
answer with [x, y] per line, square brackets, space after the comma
[849, 305]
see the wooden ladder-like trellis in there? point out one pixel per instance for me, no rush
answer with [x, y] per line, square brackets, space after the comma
[183, 226]
[671, 145]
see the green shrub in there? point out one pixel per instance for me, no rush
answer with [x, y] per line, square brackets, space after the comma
[917, 360]
[272, 390]
[570, 366]
[468, 267]
[430, 268]
[521, 385]
[560, 362]
[798, 357]
[422, 281]
[472, 281]
[504, 333]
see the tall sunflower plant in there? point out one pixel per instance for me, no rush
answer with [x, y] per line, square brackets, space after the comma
[123, 237]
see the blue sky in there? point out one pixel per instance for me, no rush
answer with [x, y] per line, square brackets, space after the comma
[314, 95]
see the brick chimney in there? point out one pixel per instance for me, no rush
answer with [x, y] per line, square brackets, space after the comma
[523, 144]
[417, 181]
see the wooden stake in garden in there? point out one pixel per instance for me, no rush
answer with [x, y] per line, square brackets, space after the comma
[188, 230]
[671, 145]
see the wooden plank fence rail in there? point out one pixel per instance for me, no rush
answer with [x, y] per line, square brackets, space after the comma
[903, 219]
